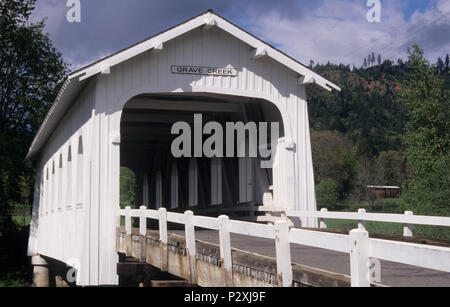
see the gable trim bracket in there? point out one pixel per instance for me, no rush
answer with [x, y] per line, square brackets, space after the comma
[259, 52]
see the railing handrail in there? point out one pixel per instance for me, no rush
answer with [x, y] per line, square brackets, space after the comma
[375, 217]
[357, 243]
[212, 223]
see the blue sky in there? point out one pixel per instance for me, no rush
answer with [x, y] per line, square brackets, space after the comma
[417, 5]
[319, 30]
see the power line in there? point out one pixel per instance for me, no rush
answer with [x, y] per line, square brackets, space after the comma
[390, 32]
[390, 46]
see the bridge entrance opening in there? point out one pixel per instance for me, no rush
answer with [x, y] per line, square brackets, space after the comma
[211, 186]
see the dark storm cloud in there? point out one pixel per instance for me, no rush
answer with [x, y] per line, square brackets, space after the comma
[322, 30]
[109, 25]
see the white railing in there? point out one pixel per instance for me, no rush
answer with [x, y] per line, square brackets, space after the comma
[358, 244]
[407, 219]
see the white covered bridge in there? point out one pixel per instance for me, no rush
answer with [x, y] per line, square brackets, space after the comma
[119, 112]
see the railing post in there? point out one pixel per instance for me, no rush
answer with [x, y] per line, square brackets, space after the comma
[225, 250]
[323, 221]
[143, 232]
[362, 223]
[359, 258]
[163, 238]
[128, 230]
[190, 245]
[408, 228]
[283, 251]
[118, 236]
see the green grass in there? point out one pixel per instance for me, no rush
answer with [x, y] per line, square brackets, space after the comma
[375, 227]
[14, 263]
[21, 214]
[12, 280]
[394, 205]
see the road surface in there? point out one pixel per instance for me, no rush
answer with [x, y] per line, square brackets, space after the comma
[392, 274]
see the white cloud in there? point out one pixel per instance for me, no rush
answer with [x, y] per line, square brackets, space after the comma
[321, 30]
[338, 31]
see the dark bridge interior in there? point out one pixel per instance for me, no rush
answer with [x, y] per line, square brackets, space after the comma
[210, 186]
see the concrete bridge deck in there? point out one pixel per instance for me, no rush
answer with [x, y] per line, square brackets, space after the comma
[254, 262]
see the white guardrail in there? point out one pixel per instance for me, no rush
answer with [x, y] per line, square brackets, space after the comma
[407, 219]
[358, 244]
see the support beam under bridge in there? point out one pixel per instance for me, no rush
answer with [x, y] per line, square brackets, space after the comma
[248, 269]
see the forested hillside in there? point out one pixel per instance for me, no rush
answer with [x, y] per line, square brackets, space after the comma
[368, 109]
[362, 135]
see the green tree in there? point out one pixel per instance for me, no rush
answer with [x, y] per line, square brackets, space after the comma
[427, 138]
[367, 109]
[391, 168]
[327, 193]
[31, 72]
[447, 62]
[333, 158]
[127, 187]
[366, 175]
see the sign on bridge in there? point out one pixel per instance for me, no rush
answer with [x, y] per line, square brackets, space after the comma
[201, 70]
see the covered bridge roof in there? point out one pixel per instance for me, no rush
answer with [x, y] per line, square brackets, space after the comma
[78, 79]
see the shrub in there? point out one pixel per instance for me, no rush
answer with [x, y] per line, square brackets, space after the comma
[327, 193]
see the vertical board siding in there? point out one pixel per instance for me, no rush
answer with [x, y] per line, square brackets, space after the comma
[60, 234]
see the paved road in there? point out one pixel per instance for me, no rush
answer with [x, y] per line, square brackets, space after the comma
[392, 274]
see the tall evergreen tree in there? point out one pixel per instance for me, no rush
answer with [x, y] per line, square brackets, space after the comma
[447, 62]
[440, 65]
[31, 71]
[427, 137]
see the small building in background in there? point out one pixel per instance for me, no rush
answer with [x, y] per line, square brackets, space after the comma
[383, 191]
